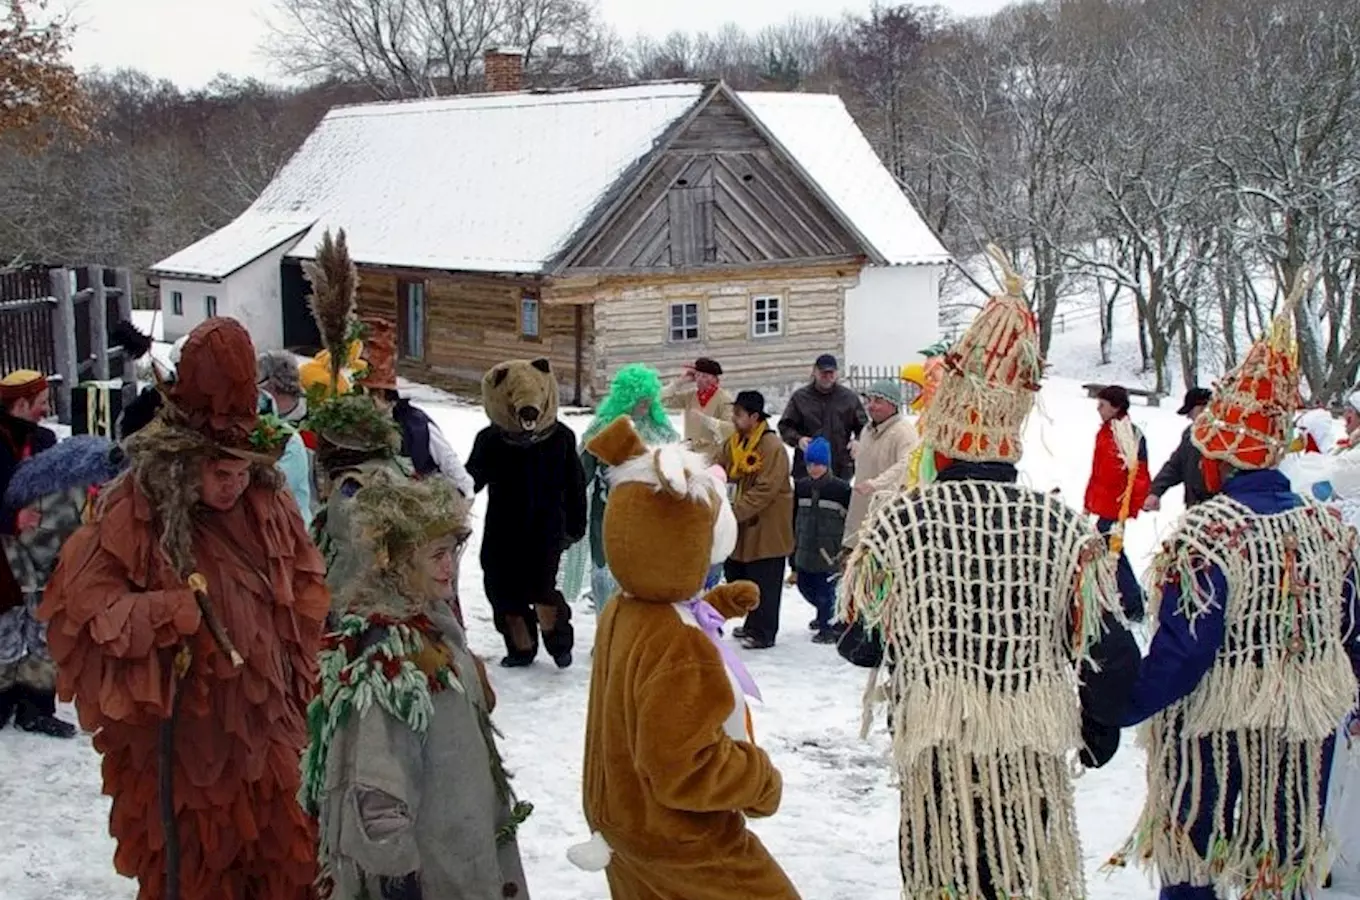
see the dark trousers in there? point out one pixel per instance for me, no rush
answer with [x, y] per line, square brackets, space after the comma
[1203, 828]
[818, 589]
[1130, 591]
[518, 591]
[762, 623]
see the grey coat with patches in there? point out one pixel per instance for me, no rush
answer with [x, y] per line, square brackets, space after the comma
[398, 803]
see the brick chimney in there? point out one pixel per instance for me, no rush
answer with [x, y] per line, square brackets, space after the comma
[504, 70]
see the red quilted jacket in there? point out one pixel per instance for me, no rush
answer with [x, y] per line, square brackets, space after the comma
[1109, 478]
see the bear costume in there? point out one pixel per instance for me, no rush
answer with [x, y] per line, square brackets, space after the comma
[671, 766]
[536, 508]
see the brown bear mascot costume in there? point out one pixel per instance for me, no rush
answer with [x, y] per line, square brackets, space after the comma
[185, 621]
[536, 509]
[671, 766]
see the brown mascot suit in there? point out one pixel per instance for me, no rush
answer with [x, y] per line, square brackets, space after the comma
[536, 508]
[671, 767]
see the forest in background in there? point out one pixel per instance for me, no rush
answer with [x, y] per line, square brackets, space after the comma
[1189, 158]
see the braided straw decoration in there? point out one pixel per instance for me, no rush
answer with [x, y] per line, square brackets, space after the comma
[985, 594]
[1240, 426]
[1278, 687]
[990, 378]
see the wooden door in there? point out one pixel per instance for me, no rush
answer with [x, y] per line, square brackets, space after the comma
[411, 319]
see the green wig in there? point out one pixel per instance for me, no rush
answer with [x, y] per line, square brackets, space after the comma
[634, 383]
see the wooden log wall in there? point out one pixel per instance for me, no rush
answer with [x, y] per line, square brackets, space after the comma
[472, 323]
[632, 318]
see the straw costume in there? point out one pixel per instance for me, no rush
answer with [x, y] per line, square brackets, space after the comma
[993, 606]
[1248, 673]
[672, 769]
[402, 769]
[922, 380]
[633, 385]
[187, 636]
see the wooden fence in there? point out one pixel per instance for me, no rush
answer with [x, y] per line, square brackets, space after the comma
[57, 321]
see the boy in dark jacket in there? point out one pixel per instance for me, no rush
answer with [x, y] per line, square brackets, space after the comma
[821, 503]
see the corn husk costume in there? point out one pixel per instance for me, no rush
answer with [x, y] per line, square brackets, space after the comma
[355, 438]
[1281, 680]
[402, 770]
[984, 594]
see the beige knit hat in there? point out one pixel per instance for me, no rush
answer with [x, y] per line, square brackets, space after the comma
[990, 378]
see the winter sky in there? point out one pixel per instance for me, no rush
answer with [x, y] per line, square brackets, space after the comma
[191, 41]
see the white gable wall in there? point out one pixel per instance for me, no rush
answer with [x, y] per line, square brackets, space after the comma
[892, 314]
[251, 295]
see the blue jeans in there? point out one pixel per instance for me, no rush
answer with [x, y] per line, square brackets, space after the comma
[818, 589]
[1130, 591]
[1202, 829]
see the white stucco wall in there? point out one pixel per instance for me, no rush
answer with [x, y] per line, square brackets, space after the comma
[252, 295]
[892, 314]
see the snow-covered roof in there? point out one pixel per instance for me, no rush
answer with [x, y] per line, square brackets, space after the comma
[816, 130]
[504, 182]
[494, 183]
[233, 247]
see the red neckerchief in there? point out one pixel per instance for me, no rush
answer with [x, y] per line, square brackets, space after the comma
[706, 394]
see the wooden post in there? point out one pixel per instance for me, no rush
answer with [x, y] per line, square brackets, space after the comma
[64, 342]
[129, 367]
[99, 323]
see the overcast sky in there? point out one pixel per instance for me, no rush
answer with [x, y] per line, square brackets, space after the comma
[190, 41]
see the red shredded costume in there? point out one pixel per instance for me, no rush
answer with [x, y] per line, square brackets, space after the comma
[118, 612]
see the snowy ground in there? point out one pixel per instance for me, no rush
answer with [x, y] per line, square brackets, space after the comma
[836, 831]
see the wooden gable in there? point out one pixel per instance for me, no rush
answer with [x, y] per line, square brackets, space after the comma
[717, 195]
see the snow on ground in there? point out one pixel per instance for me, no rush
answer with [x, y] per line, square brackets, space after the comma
[836, 831]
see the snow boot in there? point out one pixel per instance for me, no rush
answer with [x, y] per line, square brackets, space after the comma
[34, 714]
[560, 640]
[521, 642]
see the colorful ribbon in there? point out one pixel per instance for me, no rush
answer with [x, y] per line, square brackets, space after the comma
[710, 621]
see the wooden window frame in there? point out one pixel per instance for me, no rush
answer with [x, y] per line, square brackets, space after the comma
[698, 305]
[781, 316]
[209, 305]
[403, 326]
[536, 336]
[176, 303]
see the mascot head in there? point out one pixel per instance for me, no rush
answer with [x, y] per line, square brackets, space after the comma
[520, 396]
[667, 520]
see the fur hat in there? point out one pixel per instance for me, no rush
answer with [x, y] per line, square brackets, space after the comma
[82, 460]
[393, 517]
[990, 378]
[278, 370]
[215, 396]
[668, 519]
[1249, 421]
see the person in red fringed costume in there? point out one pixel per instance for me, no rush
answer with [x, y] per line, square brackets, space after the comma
[154, 668]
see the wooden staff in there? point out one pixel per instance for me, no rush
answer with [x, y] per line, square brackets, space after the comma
[199, 584]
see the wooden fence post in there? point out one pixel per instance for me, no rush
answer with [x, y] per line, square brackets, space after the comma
[64, 342]
[123, 278]
[99, 323]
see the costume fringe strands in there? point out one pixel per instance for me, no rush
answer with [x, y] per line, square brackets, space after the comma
[334, 279]
[1281, 682]
[980, 744]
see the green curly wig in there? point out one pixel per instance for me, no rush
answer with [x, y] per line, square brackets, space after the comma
[633, 383]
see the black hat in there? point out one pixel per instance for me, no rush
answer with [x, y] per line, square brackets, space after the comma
[708, 366]
[826, 363]
[753, 402]
[1116, 396]
[1195, 397]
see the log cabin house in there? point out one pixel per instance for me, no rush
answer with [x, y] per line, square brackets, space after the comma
[652, 223]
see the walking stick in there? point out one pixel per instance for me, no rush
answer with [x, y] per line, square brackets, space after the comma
[183, 659]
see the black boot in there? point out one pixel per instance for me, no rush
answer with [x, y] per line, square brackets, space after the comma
[517, 632]
[9, 698]
[34, 714]
[560, 641]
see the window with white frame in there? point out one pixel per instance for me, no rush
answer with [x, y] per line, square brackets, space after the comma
[209, 306]
[177, 303]
[684, 322]
[767, 316]
[528, 317]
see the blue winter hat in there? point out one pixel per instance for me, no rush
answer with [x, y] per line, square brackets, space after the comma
[818, 453]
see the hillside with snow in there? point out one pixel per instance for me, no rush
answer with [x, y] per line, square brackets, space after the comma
[836, 833]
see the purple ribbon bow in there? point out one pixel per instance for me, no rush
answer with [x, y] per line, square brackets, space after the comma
[710, 621]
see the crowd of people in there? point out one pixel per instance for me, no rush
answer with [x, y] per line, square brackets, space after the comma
[251, 597]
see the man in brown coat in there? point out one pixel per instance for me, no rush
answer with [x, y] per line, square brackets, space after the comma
[882, 454]
[757, 468]
[706, 404]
